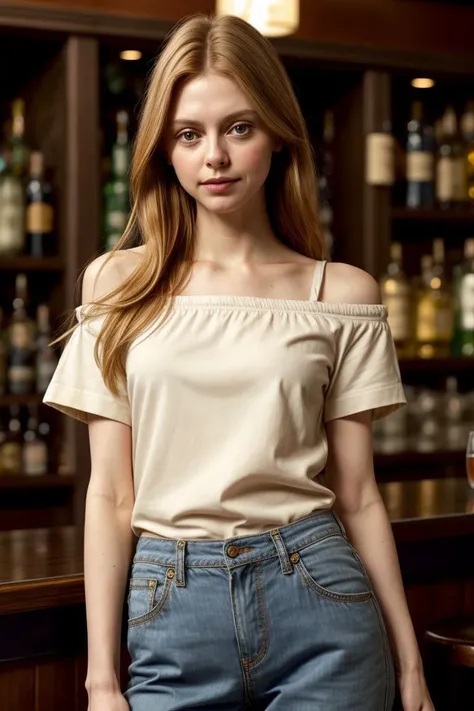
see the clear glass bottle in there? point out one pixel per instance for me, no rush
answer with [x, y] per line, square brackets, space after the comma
[117, 189]
[451, 185]
[12, 211]
[434, 309]
[46, 360]
[463, 344]
[420, 160]
[3, 357]
[35, 451]
[22, 337]
[396, 295]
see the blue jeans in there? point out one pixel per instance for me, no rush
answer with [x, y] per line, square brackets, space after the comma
[285, 620]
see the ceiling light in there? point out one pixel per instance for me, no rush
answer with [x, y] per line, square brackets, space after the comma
[130, 55]
[273, 18]
[422, 83]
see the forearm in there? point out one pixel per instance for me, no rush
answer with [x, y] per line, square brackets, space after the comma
[369, 530]
[108, 544]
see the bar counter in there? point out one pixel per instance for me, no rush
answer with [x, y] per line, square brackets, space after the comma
[42, 612]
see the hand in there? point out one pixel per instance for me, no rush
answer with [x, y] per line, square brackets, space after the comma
[107, 701]
[414, 692]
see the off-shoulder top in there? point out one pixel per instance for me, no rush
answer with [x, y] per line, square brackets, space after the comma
[228, 399]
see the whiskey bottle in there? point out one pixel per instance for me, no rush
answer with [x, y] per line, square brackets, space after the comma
[39, 210]
[11, 453]
[3, 357]
[35, 451]
[451, 188]
[12, 211]
[420, 160]
[396, 295]
[434, 309]
[21, 356]
[19, 148]
[467, 129]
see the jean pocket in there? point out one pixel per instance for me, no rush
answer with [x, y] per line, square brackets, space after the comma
[147, 594]
[332, 570]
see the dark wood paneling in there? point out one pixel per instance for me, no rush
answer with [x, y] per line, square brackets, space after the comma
[383, 23]
[55, 679]
[17, 687]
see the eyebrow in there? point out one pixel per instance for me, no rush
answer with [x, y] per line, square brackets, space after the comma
[230, 117]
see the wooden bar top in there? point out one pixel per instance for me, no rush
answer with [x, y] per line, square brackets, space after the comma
[43, 568]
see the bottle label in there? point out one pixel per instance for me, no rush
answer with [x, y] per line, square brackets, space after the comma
[398, 306]
[466, 300]
[420, 166]
[11, 457]
[35, 458]
[445, 179]
[459, 179]
[39, 218]
[20, 336]
[21, 374]
[380, 159]
[434, 321]
[12, 227]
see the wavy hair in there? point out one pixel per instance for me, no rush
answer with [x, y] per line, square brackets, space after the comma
[163, 214]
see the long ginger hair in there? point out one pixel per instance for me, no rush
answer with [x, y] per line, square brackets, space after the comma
[163, 214]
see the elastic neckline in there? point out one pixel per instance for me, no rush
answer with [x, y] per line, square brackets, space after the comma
[257, 303]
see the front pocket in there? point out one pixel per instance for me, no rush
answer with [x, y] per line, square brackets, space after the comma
[147, 596]
[330, 569]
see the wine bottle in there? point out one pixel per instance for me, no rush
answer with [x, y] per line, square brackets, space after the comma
[420, 160]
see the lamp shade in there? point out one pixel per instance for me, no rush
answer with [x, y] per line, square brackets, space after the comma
[273, 18]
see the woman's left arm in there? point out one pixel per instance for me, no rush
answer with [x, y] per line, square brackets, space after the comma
[350, 474]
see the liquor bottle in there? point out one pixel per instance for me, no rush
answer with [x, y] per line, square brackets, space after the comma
[35, 451]
[467, 129]
[396, 295]
[11, 453]
[380, 156]
[12, 211]
[18, 146]
[116, 190]
[39, 210]
[463, 344]
[420, 160]
[3, 357]
[451, 188]
[434, 309]
[3, 439]
[21, 356]
[46, 360]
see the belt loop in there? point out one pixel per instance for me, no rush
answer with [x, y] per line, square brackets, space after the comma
[180, 574]
[339, 523]
[286, 566]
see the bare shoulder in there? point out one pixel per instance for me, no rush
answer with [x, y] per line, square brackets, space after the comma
[108, 272]
[344, 283]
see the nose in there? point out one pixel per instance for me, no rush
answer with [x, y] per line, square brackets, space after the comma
[216, 155]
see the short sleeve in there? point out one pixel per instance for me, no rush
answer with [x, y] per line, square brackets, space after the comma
[366, 375]
[77, 388]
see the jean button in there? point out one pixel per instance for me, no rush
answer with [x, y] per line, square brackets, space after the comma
[232, 551]
[295, 558]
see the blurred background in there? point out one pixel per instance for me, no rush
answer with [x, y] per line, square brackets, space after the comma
[387, 91]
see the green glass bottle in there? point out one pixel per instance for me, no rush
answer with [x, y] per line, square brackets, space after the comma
[463, 277]
[117, 188]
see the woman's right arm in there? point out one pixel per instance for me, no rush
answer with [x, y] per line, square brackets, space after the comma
[108, 538]
[108, 542]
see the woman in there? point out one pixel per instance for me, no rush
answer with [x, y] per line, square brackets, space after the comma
[229, 379]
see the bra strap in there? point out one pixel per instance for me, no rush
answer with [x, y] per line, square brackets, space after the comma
[317, 280]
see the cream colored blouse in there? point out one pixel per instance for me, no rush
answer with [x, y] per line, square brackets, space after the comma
[227, 401]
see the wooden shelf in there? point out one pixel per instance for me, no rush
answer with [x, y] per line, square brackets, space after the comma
[463, 215]
[448, 366]
[9, 400]
[45, 481]
[31, 264]
[409, 458]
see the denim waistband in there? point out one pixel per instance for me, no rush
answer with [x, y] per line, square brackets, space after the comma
[240, 550]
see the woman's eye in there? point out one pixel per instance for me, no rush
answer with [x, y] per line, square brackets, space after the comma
[242, 129]
[187, 136]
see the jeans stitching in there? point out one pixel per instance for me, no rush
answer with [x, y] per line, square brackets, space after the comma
[251, 663]
[153, 613]
[323, 592]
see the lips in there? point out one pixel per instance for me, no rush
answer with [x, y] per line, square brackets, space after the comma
[218, 181]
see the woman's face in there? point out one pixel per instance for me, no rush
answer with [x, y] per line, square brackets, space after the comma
[216, 135]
